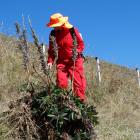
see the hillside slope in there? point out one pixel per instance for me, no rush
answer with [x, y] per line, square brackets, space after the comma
[116, 98]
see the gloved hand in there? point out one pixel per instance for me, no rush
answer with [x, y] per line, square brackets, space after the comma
[49, 65]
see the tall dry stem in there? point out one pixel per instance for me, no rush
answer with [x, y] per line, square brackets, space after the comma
[40, 49]
[23, 45]
[74, 56]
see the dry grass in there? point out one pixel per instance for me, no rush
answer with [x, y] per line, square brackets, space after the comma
[10, 71]
[117, 97]
[117, 100]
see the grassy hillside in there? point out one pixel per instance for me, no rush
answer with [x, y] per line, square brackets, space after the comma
[116, 98]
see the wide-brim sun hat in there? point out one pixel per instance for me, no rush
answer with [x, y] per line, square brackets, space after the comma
[58, 20]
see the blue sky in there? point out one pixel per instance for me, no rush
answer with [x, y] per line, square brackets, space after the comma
[110, 28]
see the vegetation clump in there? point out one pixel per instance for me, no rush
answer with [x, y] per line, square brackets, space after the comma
[59, 115]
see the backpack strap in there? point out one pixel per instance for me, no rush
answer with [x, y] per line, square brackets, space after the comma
[52, 38]
[72, 32]
[52, 33]
[73, 35]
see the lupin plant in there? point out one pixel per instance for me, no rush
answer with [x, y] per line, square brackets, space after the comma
[40, 49]
[52, 40]
[74, 55]
[74, 50]
[22, 36]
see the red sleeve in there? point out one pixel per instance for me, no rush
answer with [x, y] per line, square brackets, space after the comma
[51, 56]
[80, 42]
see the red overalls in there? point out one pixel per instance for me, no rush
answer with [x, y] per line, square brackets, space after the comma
[65, 63]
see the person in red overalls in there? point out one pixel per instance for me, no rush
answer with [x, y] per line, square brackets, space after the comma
[66, 67]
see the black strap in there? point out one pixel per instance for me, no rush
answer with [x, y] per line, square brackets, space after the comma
[73, 34]
[52, 33]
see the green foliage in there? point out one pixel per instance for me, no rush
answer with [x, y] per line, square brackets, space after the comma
[64, 113]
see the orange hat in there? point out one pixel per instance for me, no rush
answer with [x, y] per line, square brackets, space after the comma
[57, 20]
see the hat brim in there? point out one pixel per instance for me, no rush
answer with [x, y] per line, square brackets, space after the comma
[67, 25]
[64, 20]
